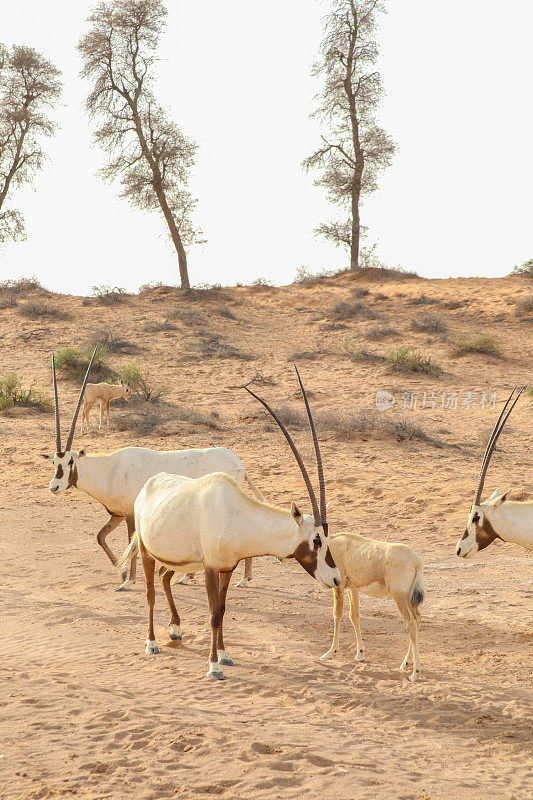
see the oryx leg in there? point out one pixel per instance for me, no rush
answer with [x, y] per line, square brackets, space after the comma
[184, 580]
[87, 406]
[149, 571]
[107, 412]
[130, 522]
[411, 617]
[101, 414]
[211, 585]
[338, 603]
[165, 576]
[247, 574]
[101, 538]
[223, 583]
[353, 594]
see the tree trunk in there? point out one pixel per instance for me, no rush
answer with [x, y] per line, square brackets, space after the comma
[355, 232]
[176, 238]
[162, 200]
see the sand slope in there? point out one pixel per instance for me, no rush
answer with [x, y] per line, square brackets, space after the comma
[85, 713]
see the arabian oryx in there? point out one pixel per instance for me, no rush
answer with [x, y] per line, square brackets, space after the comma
[211, 524]
[114, 480]
[102, 393]
[496, 517]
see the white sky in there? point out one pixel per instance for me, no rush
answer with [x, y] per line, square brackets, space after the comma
[457, 200]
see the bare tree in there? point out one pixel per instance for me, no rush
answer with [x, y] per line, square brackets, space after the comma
[147, 151]
[354, 147]
[29, 88]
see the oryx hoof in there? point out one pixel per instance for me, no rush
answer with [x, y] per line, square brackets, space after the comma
[243, 583]
[414, 676]
[360, 655]
[215, 673]
[151, 648]
[124, 587]
[224, 658]
[183, 581]
[175, 633]
[330, 653]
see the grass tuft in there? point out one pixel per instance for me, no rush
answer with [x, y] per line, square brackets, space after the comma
[35, 309]
[429, 323]
[13, 394]
[73, 362]
[475, 343]
[410, 359]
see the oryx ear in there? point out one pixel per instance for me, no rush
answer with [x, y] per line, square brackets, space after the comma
[501, 498]
[81, 453]
[47, 456]
[297, 515]
[496, 493]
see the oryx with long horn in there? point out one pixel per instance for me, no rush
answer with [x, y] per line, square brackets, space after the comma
[497, 517]
[210, 524]
[115, 480]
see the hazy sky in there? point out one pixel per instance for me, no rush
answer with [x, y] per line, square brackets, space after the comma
[457, 200]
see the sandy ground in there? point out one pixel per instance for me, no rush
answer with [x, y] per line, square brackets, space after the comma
[85, 713]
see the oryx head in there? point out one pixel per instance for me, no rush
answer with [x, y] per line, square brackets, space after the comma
[126, 391]
[65, 461]
[479, 531]
[312, 551]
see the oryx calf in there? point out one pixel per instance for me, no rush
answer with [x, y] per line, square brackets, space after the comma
[378, 569]
[102, 393]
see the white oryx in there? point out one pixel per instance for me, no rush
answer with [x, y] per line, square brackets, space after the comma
[115, 479]
[497, 517]
[378, 569]
[102, 393]
[210, 524]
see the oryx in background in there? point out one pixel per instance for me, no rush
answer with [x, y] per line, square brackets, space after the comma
[497, 517]
[115, 480]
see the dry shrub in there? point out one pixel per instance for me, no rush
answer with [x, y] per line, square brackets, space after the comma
[109, 296]
[226, 312]
[111, 342]
[410, 359]
[360, 355]
[375, 333]
[350, 309]
[453, 305]
[475, 343]
[308, 355]
[36, 309]
[524, 306]
[429, 323]
[422, 300]
[215, 347]
[157, 326]
[347, 425]
[526, 269]
[22, 286]
[381, 273]
[145, 417]
[8, 301]
[333, 326]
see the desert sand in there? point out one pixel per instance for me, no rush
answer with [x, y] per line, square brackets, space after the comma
[85, 713]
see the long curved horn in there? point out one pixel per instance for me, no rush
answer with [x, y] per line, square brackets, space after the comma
[56, 406]
[80, 400]
[305, 474]
[320, 468]
[492, 442]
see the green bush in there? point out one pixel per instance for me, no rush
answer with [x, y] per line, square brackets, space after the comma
[74, 362]
[410, 359]
[526, 269]
[13, 394]
[140, 384]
